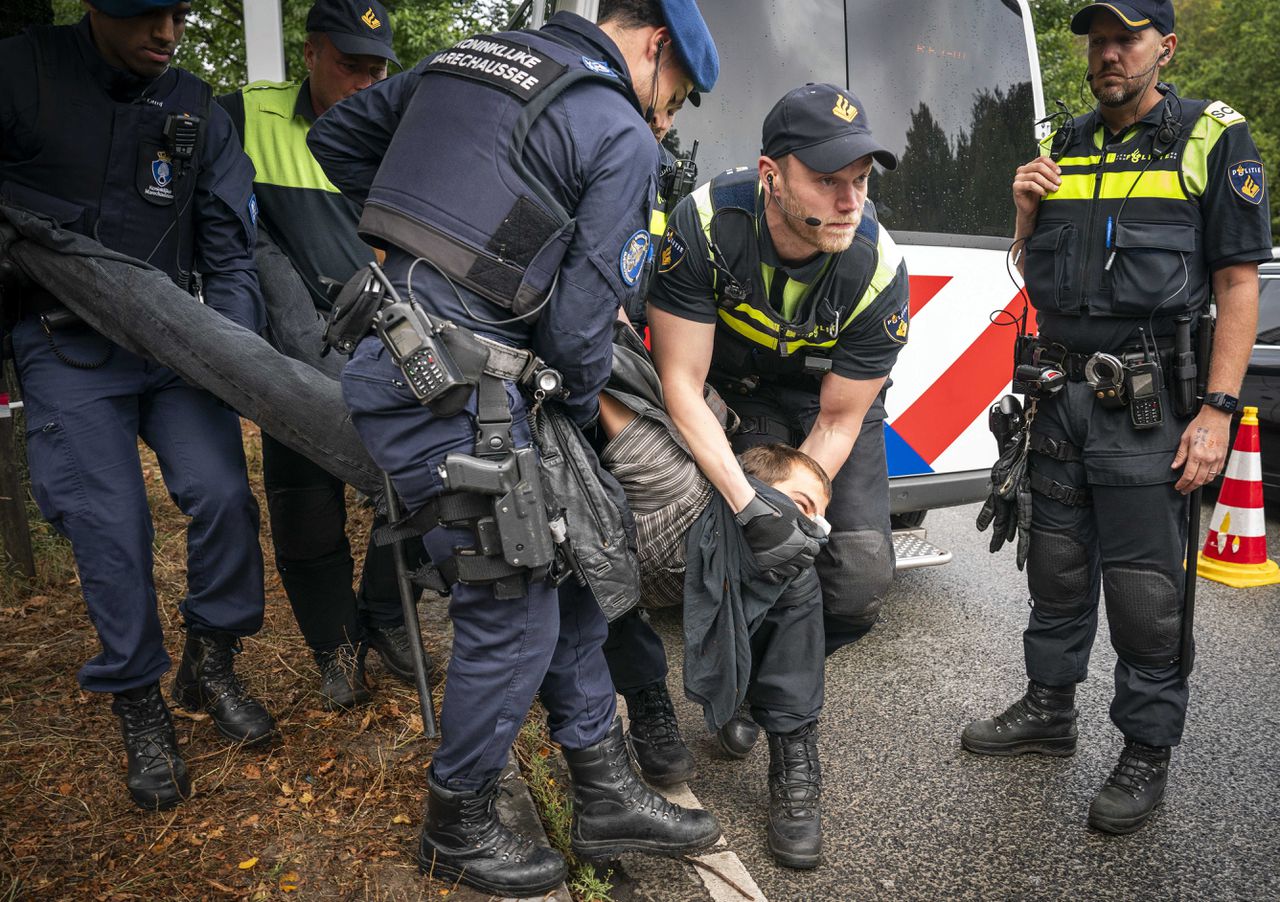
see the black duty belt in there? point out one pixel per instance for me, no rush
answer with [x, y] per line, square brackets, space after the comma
[506, 362]
[1073, 363]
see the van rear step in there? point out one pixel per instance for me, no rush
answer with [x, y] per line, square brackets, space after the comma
[913, 550]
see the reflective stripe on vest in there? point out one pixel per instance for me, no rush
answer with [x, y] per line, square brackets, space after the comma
[766, 327]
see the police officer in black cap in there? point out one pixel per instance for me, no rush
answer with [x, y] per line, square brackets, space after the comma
[100, 133]
[1130, 220]
[307, 227]
[510, 180]
[778, 286]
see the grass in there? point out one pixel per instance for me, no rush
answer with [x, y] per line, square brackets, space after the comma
[544, 774]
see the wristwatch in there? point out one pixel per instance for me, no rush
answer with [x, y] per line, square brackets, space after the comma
[1222, 401]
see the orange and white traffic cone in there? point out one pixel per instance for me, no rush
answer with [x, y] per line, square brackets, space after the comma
[1235, 551]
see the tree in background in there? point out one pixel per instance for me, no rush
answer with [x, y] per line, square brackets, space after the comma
[213, 47]
[19, 14]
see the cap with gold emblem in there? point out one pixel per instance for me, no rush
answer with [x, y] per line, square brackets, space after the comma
[357, 27]
[825, 127]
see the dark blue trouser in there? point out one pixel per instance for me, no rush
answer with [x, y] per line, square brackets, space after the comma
[83, 427]
[504, 651]
[1127, 545]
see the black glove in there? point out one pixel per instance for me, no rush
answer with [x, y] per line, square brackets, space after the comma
[1008, 508]
[782, 549]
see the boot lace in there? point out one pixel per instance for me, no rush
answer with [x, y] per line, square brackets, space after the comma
[148, 730]
[795, 774]
[634, 793]
[478, 820]
[217, 672]
[653, 719]
[1137, 767]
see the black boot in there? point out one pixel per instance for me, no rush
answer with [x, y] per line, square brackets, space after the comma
[342, 677]
[392, 644]
[207, 681]
[1133, 790]
[655, 737]
[1043, 721]
[738, 736]
[795, 796]
[615, 812]
[157, 774]
[463, 840]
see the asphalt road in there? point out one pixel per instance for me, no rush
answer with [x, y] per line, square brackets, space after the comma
[909, 815]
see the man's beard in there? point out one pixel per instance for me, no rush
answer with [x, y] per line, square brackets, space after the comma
[1121, 95]
[825, 242]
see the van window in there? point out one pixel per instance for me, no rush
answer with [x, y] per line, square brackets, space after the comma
[946, 85]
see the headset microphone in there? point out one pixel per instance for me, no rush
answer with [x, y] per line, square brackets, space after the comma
[811, 221]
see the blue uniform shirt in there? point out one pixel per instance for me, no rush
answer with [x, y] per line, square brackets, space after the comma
[593, 151]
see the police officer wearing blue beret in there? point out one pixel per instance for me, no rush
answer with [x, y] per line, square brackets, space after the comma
[1132, 218]
[510, 179]
[100, 133]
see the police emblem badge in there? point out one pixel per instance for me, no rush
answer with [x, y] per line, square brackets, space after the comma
[1248, 180]
[161, 172]
[634, 254]
[896, 326]
[673, 251]
[600, 67]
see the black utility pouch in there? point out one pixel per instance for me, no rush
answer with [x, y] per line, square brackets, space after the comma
[354, 308]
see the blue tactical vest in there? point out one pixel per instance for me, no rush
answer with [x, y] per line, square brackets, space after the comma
[752, 337]
[1123, 235]
[103, 169]
[504, 242]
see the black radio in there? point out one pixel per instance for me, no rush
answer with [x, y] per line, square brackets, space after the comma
[412, 338]
[1143, 383]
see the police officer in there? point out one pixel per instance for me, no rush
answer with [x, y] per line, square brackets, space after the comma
[99, 132]
[779, 287]
[510, 179]
[1134, 215]
[347, 49]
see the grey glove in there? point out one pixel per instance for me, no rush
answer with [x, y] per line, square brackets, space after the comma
[1008, 508]
[781, 547]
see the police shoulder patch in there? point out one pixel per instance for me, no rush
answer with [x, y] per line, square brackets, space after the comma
[896, 326]
[1248, 180]
[253, 209]
[635, 251]
[673, 251]
[600, 67]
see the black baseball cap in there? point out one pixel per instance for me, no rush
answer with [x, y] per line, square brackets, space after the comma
[1135, 15]
[825, 127]
[360, 28]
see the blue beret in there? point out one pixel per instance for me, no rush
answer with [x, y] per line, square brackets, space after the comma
[123, 9]
[694, 46]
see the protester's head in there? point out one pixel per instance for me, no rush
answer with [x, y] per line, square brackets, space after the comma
[348, 48]
[139, 36]
[815, 164]
[792, 472]
[669, 53]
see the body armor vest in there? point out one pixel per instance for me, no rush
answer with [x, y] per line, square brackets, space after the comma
[506, 242]
[104, 168]
[752, 337]
[1123, 235]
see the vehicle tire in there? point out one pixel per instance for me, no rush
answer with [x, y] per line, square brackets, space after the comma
[907, 520]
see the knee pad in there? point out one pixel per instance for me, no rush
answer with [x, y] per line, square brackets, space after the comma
[855, 569]
[1144, 609]
[1058, 574]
